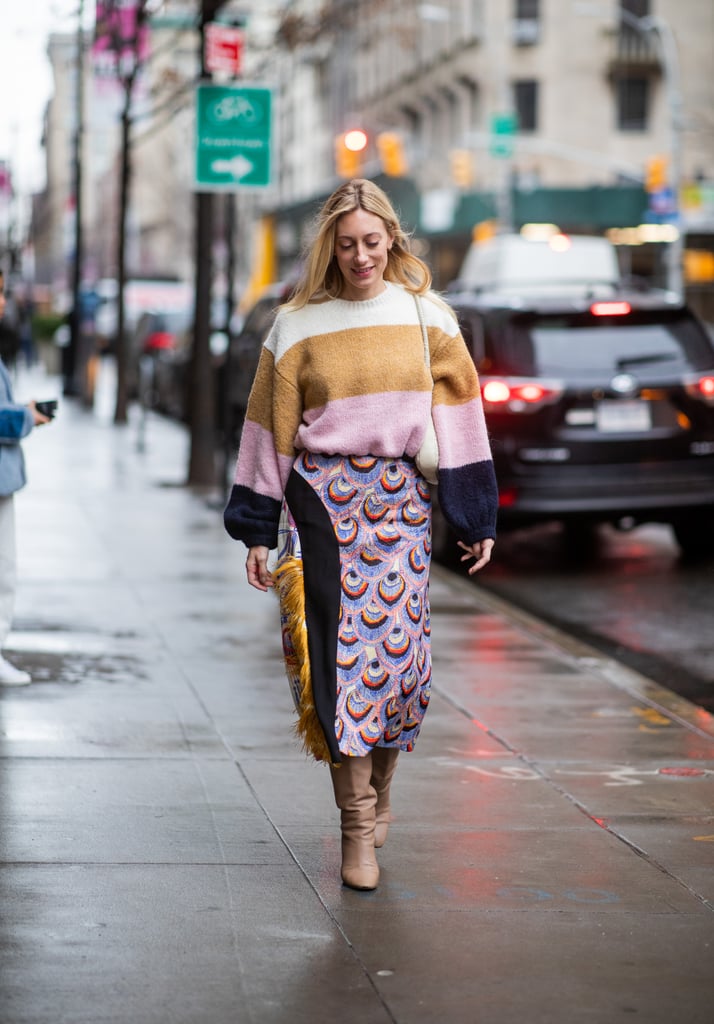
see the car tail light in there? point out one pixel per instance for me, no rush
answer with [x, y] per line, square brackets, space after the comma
[610, 308]
[517, 394]
[159, 341]
[507, 497]
[702, 388]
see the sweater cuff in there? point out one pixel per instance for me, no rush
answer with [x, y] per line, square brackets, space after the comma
[252, 518]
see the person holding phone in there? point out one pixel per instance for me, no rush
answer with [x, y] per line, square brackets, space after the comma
[16, 422]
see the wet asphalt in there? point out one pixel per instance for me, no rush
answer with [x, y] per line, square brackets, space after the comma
[168, 856]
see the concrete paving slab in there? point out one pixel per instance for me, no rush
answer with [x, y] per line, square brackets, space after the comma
[683, 846]
[186, 944]
[171, 811]
[575, 965]
[607, 789]
[552, 869]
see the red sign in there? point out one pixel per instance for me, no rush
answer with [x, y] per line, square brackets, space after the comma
[224, 48]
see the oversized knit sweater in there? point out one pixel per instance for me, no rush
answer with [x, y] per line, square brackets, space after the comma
[349, 378]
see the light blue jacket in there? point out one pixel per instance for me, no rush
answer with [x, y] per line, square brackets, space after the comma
[16, 422]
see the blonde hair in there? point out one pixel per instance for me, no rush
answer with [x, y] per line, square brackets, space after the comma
[322, 278]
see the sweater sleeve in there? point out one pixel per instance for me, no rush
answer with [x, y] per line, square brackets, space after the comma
[16, 422]
[266, 454]
[468, 494]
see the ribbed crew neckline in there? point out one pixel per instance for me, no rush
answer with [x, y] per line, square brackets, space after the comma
[369, 303]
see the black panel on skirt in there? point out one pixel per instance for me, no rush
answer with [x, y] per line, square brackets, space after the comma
[321, 575]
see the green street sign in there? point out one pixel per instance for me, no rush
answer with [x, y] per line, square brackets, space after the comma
[503, 128]
[233, 137]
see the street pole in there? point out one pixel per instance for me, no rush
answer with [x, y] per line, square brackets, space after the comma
[670, 61]
[71, 351]
[227, 373]
[202, 469]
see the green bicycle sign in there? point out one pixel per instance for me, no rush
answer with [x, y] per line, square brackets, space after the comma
[233, 137]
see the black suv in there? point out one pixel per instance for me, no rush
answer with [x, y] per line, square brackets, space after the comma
[599, 410]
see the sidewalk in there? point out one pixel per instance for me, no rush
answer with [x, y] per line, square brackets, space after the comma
[168, 856]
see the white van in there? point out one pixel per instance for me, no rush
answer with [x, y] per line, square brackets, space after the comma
[561, 264]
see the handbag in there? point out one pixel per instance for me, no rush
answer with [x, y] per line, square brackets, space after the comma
[427, 458]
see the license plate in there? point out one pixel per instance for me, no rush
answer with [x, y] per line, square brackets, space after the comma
[623, 417]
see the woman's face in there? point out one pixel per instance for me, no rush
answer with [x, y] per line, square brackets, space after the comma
[362, 243]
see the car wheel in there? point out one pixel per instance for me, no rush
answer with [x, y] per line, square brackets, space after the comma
[695, 533]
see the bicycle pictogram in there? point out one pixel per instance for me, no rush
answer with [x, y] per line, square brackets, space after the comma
[236, 108]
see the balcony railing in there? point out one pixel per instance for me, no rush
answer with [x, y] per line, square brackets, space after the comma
[634, 50]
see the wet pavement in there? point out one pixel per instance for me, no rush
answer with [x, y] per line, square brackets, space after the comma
[168, 855]
[632, 595]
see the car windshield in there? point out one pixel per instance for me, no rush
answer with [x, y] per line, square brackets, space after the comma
[669, 342]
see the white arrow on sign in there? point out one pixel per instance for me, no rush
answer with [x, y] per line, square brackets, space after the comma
[237, 166]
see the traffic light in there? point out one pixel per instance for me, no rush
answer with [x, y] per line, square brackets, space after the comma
[462, 167]
[391, 154]
[349, 148]
[656, 174]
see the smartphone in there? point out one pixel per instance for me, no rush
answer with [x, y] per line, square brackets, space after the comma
[48, 408]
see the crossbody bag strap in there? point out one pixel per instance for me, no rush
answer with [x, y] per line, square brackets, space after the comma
[424, 335]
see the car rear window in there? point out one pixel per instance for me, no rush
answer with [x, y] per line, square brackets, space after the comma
[670, 341]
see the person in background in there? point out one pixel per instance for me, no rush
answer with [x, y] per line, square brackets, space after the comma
[16, 422]
[326, 474]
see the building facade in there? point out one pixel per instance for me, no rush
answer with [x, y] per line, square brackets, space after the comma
[579, 113]
[519, 110]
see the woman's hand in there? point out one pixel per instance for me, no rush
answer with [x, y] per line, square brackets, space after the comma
[481, 551]
[37, 417]
[256, 567]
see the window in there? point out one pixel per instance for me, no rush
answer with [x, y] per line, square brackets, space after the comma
[526, 27]
[632, 103]
[637, 8]
[526, 10]
[525, 101]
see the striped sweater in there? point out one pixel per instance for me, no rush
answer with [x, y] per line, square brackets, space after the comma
[349, 378]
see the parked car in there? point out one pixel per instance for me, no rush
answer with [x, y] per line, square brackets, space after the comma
[599, 409]
[141, 295]
[242, 362]
[158, 336]
[168, 371]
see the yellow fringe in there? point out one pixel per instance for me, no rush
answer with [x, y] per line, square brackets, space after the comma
[288, 577]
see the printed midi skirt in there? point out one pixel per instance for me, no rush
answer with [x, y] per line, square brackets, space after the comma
[352, 578]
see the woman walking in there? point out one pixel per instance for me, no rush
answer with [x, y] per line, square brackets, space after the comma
[326, 474]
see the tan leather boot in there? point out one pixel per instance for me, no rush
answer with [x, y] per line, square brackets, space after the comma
[384, 765]
[356, 799]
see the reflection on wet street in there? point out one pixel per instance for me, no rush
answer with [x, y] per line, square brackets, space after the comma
[628, 594]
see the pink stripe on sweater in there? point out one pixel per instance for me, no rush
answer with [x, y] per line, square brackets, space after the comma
[461, 431]
[390, 424]
[259, 467]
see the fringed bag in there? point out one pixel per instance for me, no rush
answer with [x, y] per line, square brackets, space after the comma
[290, 587]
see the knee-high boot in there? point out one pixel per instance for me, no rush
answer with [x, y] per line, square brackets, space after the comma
[384, 765]
[356, 799]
